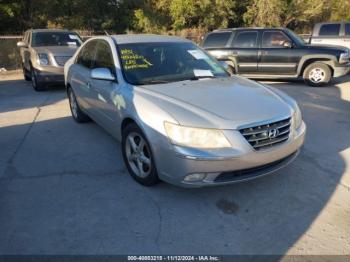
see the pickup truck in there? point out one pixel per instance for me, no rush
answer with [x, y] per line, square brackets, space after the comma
[333, 33]
[276, 53]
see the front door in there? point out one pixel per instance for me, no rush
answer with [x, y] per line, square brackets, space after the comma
[275, 57]
[106, 93]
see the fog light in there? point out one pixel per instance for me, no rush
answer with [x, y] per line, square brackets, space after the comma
[195, 177]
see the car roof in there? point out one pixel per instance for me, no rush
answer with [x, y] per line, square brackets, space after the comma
[248, 28]
[142, 38]
[49, 30]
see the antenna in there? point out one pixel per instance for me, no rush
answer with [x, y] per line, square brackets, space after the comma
[106, 33]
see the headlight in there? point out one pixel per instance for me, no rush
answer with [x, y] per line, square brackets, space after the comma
[344, 58]
[43, 59]
[196, 137]
[298, 119]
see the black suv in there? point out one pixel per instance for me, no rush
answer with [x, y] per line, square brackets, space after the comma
[262, 53]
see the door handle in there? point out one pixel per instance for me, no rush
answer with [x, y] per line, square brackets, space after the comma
[264, 52]
[317, 40]
[346, 40]
[88, 85]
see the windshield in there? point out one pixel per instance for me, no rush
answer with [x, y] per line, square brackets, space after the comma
[56, 39]
[296, 38]
[156, 63]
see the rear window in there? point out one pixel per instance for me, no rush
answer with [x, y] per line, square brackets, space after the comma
[218, 39]
[245, 39]
[347, 29]
[330, 29]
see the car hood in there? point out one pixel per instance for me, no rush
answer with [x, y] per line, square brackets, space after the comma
[57, 50]
[227, 103]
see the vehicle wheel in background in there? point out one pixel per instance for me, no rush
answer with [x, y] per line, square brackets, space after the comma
[26, 74]
[37, 85]
[138, 156]
[317, 74]
[78, 115]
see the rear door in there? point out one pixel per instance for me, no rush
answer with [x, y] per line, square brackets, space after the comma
[346, 38]
[80, 76]
[274, 57]
[244, 51]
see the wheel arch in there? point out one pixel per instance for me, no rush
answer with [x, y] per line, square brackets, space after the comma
[305, 62]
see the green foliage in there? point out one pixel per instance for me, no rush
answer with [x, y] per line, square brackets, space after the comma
[156, 16]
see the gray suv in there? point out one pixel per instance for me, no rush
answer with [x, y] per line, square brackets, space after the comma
[44, 53]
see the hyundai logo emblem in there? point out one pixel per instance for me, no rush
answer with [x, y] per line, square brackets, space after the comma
[272, 133]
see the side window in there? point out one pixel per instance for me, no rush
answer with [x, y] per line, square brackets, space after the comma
[347, 29]
[246, 39]
[273, 39]
[104, 57]
[86, 55]
[217, 39]
[330, 30]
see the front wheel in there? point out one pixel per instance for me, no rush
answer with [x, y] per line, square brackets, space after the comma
[37, 85]
[26, 75]
[138, 156]
[317, 74]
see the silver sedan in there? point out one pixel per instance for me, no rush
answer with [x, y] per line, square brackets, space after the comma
[180, 116]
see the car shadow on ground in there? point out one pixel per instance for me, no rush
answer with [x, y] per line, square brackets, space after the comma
[66, 191]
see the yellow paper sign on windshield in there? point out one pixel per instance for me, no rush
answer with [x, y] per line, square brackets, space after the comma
[133, 61]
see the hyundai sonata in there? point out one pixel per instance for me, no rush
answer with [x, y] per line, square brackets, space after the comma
[180, 116]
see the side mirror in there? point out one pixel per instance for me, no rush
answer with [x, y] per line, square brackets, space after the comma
[22, 44]
[102, 74]
[287, 44]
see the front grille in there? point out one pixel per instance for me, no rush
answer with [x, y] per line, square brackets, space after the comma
[61, 60]
[268, 135]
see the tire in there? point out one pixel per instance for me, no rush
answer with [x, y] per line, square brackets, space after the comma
[37, 85]
[317, 74]
[139, 161]
[78, 115]
[26, 76]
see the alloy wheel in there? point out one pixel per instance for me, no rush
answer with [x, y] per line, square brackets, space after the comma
[317, 75]
[138, 155]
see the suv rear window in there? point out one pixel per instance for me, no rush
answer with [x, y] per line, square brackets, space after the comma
[330, 29]
[347, 29]
[218, 39]
[247, 39]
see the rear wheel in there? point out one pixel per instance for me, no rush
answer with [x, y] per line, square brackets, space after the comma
[37, 85]
[317, 74]
[138, 156]
[78, 115]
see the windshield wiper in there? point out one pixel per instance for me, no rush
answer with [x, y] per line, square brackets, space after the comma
[201, 77]
[155, 82]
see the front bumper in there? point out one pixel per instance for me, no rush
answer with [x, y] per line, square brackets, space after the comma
[50, 74]
[226, 166]
[341, 70]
